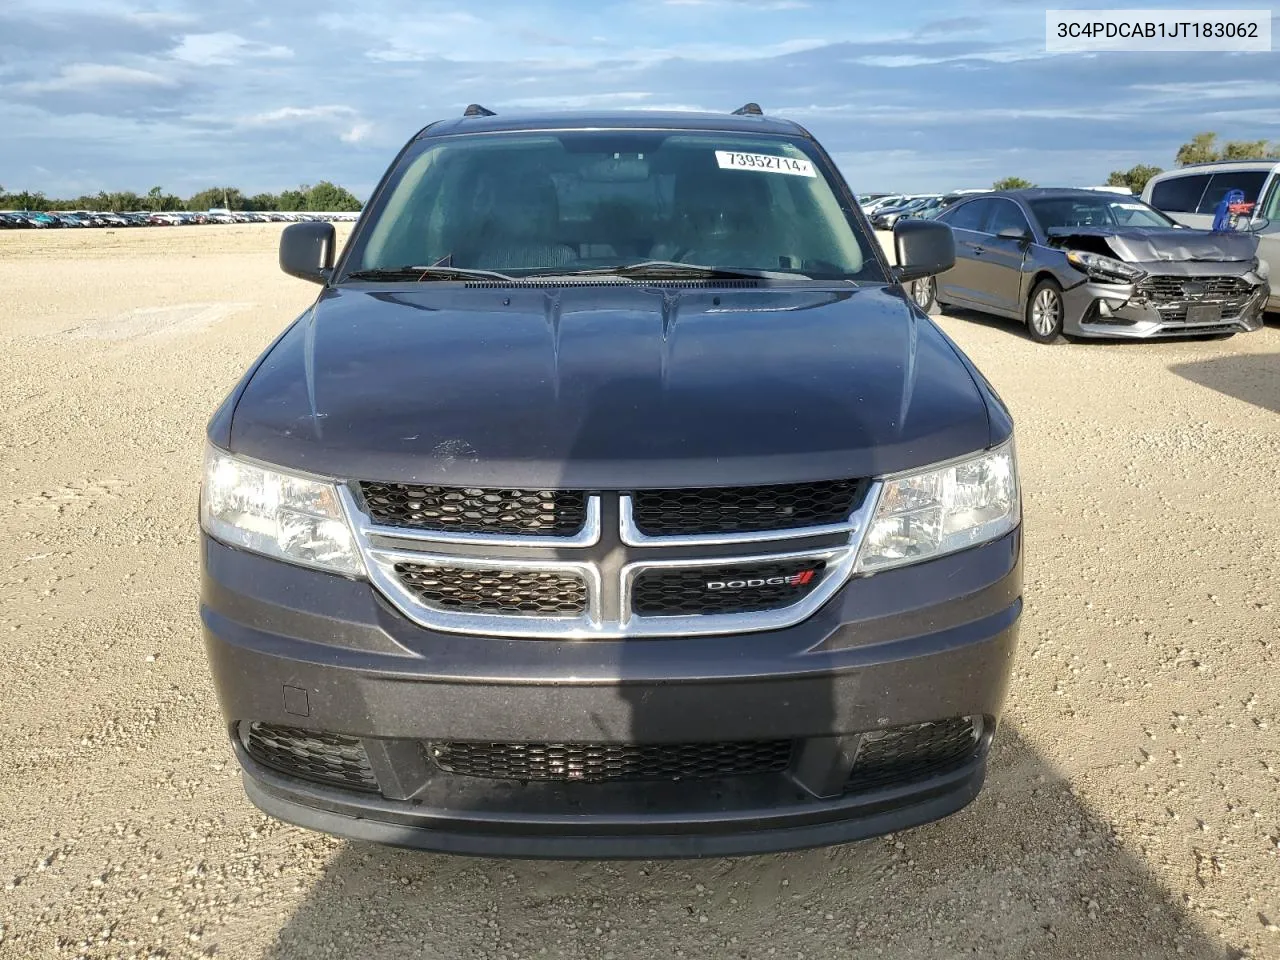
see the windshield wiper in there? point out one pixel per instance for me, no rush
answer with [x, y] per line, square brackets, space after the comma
[431, 272]
[671, 270]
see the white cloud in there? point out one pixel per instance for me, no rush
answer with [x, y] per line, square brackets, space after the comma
[726, 52]
[293, 114]
[895, 115]
[223, 49]
[1212, 90]
[351, 126]
[93, 76]
[461, 37]
[895, 61]
[158, 18]
[761, 5]
[577, 101]
[437, 34]
[356, 132]
[1253, 116]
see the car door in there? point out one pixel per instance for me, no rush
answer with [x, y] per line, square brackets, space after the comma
[966, 220]
[1266, 226]
[999, 265]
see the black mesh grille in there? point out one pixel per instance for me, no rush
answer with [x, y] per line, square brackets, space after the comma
[470, 510]
[666, 513]
[611, 761]
[320, 757]
[736, 588]
[516, 592]
[903, 754]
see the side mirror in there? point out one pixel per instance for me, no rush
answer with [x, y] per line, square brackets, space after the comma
[306, 250]
[1014, 233]
[924, 248]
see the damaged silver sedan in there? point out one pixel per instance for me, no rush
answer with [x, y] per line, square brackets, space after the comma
[1086, 264]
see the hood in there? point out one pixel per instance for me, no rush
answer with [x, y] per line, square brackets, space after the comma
[1153, 244]
[609, 386]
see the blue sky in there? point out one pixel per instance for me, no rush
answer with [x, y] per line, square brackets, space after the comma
[266, 94]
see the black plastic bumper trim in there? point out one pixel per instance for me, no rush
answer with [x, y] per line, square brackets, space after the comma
[858, 817]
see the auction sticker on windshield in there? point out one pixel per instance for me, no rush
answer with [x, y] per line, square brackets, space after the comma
[729, 160]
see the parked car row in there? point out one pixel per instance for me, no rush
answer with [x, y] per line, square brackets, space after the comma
[884, 210]
[42, 220]
[887, 211]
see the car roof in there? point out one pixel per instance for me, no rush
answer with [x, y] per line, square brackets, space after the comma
[1049, 193]
[1216, 166]
[614, 120]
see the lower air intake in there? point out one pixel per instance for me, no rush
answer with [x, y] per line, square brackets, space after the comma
[596, 762]
[901, 755]
[328, 758]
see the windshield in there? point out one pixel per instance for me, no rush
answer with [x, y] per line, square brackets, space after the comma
[1097, 212]
[554, 203]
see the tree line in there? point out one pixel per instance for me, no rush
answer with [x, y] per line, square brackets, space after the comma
[323, 197]
[329, 197]
[1202, 148]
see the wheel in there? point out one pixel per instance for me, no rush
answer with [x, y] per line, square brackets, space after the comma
[925, 293]
[1044, 312]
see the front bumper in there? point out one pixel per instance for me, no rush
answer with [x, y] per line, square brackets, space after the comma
[1115, 310]
[300, 649]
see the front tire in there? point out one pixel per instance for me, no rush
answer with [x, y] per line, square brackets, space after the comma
[1044, 312]
[925, 294]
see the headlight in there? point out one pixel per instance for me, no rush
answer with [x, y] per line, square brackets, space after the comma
[298, 519]
[1106, 269]
[933, 512]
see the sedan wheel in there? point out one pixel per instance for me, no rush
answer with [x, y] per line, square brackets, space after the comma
[1044, 312]
[924, 292]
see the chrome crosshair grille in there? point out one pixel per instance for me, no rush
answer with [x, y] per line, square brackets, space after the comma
[610, 565]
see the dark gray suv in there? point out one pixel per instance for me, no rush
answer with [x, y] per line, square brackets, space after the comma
[612, 499]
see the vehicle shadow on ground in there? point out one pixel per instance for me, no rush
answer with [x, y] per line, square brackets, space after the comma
[1253, 378]
[1005, 324]
[1027, 870]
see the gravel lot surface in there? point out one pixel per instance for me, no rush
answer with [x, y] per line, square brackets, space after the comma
[1133, 807]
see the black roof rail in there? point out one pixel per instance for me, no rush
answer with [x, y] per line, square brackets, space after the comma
[749, 110]
[475, 110]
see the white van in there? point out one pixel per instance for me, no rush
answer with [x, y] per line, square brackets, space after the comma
[1191, 194]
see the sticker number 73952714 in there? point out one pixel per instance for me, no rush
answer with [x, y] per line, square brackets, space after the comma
[729, 160]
